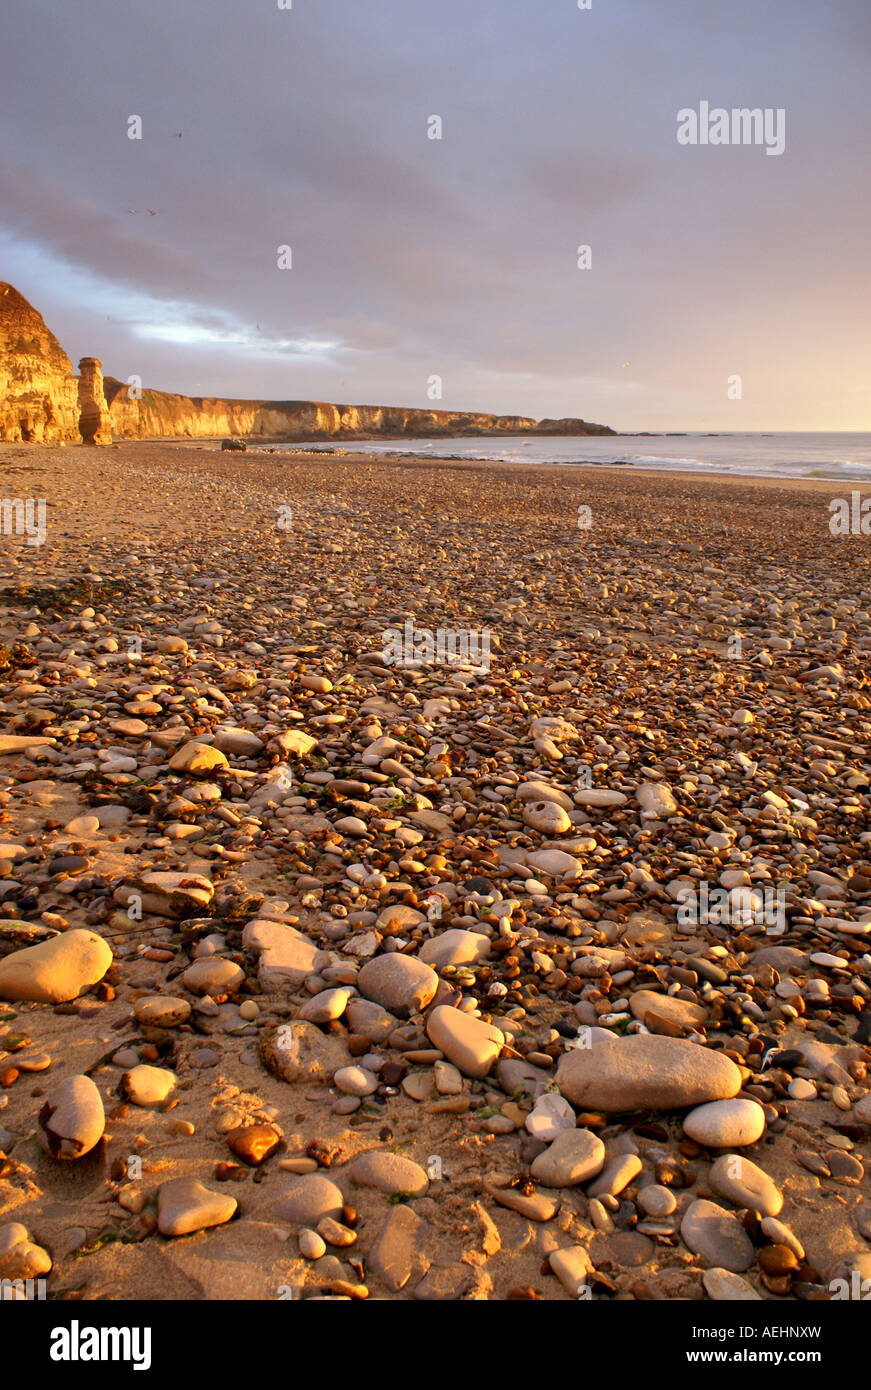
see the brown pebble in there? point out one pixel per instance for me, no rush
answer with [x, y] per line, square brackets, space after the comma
[230, 1172]
[36, 1062]
[814, 1162]
[132, 1199]
[451, 1105]
[345, 1289]
[298, 1165]
[779, 1286]
[334, 1233]
[777, 1260]
[651, 1131]
[642, 1292]
[689, 1148]
[253, 1143]
[846, 1167]
[181, 1127]
[393, 1072]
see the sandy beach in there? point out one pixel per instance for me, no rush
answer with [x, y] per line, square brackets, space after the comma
[370, 925]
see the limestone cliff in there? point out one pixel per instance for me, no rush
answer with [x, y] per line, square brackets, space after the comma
[41, 400]
[38, 395]
[159, 414]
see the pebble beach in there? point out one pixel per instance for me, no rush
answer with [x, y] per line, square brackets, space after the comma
[324, 975]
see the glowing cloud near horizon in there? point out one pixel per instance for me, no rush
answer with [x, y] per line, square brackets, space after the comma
[195, 334]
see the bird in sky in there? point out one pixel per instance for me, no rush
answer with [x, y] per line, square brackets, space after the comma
[180, 134]
[150, 213]
[133, 210]
[625, 364]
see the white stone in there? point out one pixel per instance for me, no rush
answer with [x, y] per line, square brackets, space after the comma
[551, 1115]
[745, 1185]
[148, 1086]
[72, 1119]
[546, 817]
[725, 1124]
[724, 1287]
[355, 1081]
[656, 799]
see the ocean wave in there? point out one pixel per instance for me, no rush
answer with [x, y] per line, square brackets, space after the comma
[750, 455]
[659, 459]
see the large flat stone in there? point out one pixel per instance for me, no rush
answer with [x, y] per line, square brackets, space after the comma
[644, 1071]
[57, 970]
[198, 759]
[734, 1177]
[213, 975]
[470, 1044]
[572, 1158]
[680, 1014]
[399, 983]
[389, 1173]
[308, 1200]
[286, 956]
[455, 947]
[572, 1266]
[184, 1206]
[717, 1237]
[299, 1051]
[656, 799]
[397, 1255]
[167, 894]
[726, 1124]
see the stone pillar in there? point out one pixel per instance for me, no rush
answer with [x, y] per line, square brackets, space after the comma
[94, 423]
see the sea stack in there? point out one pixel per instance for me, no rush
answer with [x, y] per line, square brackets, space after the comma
[94, 424]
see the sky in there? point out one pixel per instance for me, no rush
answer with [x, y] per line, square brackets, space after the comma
[415, 258]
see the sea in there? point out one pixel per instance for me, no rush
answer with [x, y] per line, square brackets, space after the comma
[841, 456]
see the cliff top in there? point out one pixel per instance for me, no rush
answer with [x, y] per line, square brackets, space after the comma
[24, 333]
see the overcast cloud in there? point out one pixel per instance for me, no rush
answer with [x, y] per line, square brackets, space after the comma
[411, 257]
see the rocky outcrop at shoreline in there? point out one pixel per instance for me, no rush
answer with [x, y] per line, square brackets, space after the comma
[38, 392]
[41, 401]
[94, 424]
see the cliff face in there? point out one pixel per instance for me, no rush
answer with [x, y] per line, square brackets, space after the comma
[38, 395]
[41, 400]
[158, 414]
